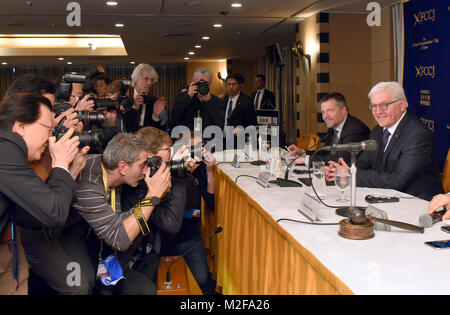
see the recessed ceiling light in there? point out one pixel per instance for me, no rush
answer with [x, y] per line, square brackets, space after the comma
[60, 58]
[4, 63]
[111, 3]
[205, 37]
[217, 25]
[119, 25]
[132, 62]
[69, 62]
[186, 58]
[198, 46]
[191, 53]
[236, 5]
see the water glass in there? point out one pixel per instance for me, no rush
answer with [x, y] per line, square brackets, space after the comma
[342, 181]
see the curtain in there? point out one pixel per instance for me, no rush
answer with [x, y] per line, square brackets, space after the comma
[287, 88]
[171, 77]
[397, 30]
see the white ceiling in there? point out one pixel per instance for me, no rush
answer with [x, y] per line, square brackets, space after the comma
[163, 31]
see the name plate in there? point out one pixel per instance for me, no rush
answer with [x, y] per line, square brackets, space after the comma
[263, 179]
[309, 207]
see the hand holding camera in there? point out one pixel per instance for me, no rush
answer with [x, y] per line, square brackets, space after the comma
[64, 150]
[159, 183]
[85, 104]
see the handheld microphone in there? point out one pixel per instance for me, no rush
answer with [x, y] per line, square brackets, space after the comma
[168, 282]
[427, 220]
[368, 145]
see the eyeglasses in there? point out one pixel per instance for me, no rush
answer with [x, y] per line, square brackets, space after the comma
[382, 106]
[50, 129]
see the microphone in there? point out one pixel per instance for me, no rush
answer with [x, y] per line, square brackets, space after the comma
[168, 282]
[368, 145]
[427, 220]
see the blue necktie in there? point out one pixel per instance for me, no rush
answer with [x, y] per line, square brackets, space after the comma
[230, 109]
[256, 100]
[228, 127]
[385, 139]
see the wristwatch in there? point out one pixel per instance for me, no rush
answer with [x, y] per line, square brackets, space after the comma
[152, 201]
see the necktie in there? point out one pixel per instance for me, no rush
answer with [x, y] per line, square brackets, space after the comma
[336, 136]
[230, 109]
[256, 100]
[385, 139]
[228, 127]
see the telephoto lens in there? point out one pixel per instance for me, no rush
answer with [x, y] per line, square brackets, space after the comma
[177, 168]
[203, 87]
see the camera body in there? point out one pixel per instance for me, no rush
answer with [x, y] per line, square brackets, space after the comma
[123, 100]
[86, 138]
[203, 87]
[89, 119]
[177, 168]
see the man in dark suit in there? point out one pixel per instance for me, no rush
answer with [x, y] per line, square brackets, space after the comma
[192, 104]
[262, 98]
[342, 128]
[406, 159]
[147, 110]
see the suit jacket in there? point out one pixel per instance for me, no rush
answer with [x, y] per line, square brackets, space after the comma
[409, 163]
[243, 113]
[186, 108]
[36, 204]
[267, 101]
[131, 118]
[354, 130]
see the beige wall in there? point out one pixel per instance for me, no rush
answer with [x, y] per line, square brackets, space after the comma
[360, 56]
[248, 69]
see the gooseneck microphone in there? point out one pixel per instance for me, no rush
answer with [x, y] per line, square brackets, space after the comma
[168, 283]
[368, 145]
[427, 220]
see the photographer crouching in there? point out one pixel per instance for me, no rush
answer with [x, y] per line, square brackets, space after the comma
[26, 121]
[125, 238]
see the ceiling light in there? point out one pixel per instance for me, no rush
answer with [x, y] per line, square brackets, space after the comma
[4, 63]
[119, 25]
[69, 62]
[217, 25]
[198, 46]
[60, 58]
[205, 37]
[236, 5]
[186, 58]
[191, 53]
[132, 62]
[111, 3]
[92, 46]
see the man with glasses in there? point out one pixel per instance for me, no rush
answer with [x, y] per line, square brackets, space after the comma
[406, 159]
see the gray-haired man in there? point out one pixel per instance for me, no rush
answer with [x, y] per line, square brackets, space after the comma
[198, 102]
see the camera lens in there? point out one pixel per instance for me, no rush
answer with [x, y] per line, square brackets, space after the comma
[91, 118]
[177, 168]
[203, 87]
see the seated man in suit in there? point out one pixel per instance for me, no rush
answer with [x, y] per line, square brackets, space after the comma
[147, 110]
[406, 159]
[342, 128]
[194, 103]
[239, 108]
[262, 98]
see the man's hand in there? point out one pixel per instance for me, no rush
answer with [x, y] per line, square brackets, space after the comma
[64, 150]
[79, 162]
[438, 201]
[84, 104]
[293, 149]
[71, 120]
[138, 101]
[159, 184]
[193, 88]
[331, 170]
[159, 106]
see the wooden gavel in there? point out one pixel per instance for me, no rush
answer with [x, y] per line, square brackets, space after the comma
[358, 217]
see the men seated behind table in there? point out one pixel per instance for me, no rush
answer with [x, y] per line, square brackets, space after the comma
[406, 159]
[342, 128]
[121, 230]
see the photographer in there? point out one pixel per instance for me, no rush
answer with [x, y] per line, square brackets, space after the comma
[197, 101]
[25, 200]
[102, 84]
[120, 230]
[79, 100]
[147, 110]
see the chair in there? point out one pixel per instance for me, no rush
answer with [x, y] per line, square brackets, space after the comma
[446, 173]
[306, 141]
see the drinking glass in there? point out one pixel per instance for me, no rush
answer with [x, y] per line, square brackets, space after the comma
[342, 181]
[319, 178]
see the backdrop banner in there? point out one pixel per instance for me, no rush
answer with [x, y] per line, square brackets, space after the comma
[426, 74]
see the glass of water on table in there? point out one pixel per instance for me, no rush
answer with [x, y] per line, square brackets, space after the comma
[342, 181]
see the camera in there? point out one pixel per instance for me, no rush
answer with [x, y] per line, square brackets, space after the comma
[203, 87]
[86, 138]
[148, 99]
[122, 100]
[177, 168]
[89, 119]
